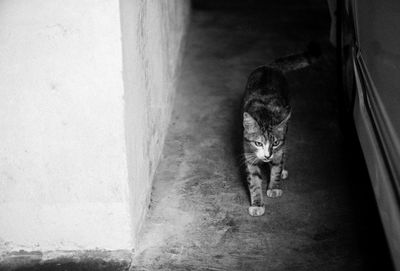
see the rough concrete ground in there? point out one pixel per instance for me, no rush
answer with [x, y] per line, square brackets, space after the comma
[198, 217]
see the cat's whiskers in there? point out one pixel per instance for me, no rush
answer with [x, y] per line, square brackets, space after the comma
[254, 161]
[249, 158]
[242, 159]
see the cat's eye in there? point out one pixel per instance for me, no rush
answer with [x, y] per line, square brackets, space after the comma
[258, 144]
[276, 143]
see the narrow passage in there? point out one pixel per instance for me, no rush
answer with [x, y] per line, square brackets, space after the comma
[198, 216]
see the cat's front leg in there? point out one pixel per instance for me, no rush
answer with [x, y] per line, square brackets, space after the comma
[274, 189]
[254, 182]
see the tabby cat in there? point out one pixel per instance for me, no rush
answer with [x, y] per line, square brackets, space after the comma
[266, 112]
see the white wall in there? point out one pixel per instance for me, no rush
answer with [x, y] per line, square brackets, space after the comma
[86, 89]
[152, 31]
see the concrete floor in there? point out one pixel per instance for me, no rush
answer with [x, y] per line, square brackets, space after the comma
[198, 220]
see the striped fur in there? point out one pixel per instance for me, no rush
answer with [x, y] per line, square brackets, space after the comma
[266, 112]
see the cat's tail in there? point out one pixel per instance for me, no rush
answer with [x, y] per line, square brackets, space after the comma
[298, 61]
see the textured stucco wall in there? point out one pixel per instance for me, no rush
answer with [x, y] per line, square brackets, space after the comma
[152, 46]
[83, 112]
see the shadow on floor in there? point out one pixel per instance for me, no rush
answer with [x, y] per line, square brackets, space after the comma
[371, 237]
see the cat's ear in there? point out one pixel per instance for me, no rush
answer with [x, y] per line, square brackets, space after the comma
[286, 118]
[249, 123]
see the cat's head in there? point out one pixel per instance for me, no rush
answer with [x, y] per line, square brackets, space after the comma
[264, 139]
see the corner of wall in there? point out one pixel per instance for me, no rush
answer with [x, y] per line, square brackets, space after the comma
[153, 35]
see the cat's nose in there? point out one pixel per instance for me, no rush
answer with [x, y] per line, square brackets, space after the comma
[268, 156]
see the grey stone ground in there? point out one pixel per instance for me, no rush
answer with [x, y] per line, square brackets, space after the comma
[198, 216]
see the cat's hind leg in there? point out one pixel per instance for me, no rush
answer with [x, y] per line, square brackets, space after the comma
[254, 182]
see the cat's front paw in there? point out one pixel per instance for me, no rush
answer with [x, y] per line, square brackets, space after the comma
[256, 210]
[274, 193]
[284, 174]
